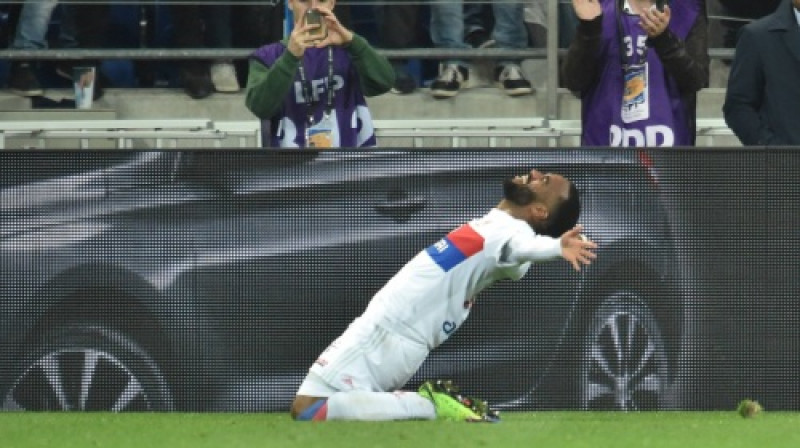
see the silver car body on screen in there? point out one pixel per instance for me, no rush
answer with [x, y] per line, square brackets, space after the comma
[211, 280]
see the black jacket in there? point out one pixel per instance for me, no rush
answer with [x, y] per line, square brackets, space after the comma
[762, 102]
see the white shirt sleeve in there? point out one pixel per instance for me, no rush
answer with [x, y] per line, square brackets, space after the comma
[524, 248]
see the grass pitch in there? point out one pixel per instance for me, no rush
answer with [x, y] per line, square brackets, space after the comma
[518, 429]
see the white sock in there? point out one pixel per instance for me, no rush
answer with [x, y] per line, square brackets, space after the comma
[375, 406]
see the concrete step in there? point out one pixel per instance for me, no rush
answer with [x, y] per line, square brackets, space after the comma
[478, 102]
[481, 99]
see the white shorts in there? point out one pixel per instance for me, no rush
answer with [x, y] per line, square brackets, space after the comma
[365, 357]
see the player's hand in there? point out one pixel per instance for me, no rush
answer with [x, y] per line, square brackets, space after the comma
[654, 22]
[337, 34]
[587, 9]
[576, 248]
[299, 39]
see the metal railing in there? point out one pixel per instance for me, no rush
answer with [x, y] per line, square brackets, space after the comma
[392, 133]
[551, 53]
[129, 134]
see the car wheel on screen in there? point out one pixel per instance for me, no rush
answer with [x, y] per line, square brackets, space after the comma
[623, 364]
[88, 368]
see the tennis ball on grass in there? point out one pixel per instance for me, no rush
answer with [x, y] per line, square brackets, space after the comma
[749, 408]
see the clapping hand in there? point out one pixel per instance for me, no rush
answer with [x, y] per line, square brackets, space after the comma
[587, 9]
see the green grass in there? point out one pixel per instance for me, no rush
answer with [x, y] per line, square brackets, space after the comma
[530, 429]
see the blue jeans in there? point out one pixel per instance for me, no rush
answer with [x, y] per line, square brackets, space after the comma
[447, 25]
[34, 19]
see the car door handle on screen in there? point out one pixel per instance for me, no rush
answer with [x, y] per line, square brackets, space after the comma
[401, 209]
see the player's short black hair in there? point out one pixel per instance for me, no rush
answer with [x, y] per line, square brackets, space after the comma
[565, 216]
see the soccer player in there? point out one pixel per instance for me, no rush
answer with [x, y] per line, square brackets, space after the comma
[359, 375]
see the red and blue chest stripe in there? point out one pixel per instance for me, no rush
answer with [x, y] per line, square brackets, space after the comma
[456, 247]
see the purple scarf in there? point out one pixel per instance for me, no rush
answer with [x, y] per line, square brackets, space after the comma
[602, 118]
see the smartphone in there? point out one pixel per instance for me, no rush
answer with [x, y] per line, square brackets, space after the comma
[313, 17]
[660, 5]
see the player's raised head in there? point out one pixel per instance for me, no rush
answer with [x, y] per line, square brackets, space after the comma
[549, 202]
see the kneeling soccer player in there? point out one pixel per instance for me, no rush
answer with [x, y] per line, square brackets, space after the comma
[360, 374]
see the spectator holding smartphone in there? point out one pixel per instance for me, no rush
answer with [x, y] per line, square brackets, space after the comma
[309, 89]
[637, 70]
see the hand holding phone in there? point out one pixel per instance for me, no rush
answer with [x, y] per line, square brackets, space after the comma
[313, 17]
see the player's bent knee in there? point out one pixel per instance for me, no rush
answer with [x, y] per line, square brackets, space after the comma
[305, 408]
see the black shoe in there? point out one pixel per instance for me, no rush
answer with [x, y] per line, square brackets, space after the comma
[22, 80]
[480, 38]
[196, 81]
[403, 84]
[510, 80]
[450, 81]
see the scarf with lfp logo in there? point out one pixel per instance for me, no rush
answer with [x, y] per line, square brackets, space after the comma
[351, 119]
[666, 121]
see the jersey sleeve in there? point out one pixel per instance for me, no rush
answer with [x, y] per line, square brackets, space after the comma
[524, 248]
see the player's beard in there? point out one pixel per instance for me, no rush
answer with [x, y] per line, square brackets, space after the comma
[519, 194]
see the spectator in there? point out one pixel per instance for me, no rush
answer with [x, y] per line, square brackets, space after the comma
[81, 24]
[535, 17]
[30, 34]
[447, 31]
[478, 25]
[638, 97]
[309, 89]
[257, 24]
[762, 101]
[89, 23]
[399, 27]
[201, 25]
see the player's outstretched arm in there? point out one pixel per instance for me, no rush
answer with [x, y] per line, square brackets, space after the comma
[576, 248]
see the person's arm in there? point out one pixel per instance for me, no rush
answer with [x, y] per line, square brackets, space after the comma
[745, 93]
[267, 87]
[573, 247]
[374, 70]
[686, 61]
[523, 249]
[581, 66]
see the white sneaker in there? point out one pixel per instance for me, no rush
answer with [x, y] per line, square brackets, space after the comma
[450, 81]
[223, 75]
[511, 80]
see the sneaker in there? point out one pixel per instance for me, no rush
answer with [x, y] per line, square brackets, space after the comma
[479, 38]
[223, 76]
[450, 81]
[451, 405]
[22, 80]
[510, 80]
[404, 84]
[196, 80]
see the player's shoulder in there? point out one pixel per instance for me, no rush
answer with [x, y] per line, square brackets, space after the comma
[499, 225]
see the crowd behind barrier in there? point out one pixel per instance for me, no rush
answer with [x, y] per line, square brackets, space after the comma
[204, 47]
[235, 28]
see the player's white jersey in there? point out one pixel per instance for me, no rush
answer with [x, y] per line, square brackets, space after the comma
[431, 296]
